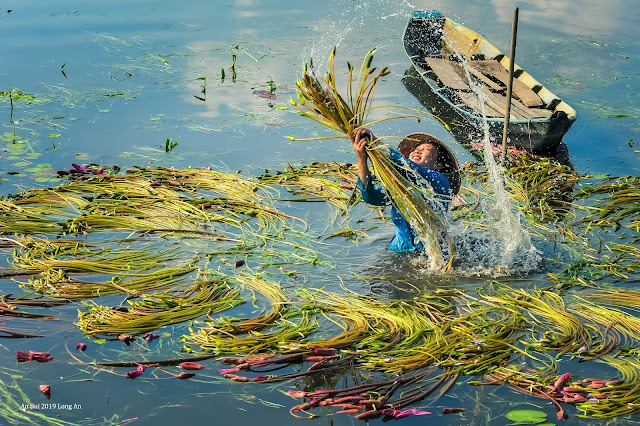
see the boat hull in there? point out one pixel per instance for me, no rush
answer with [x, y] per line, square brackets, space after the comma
[426, 37]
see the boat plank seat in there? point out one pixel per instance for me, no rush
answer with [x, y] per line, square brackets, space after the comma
[518, 109]
[496, 106]
[471, 100]
[520, 90]
[499, 102]
[522, 109]
[486, 80]
[447, 74]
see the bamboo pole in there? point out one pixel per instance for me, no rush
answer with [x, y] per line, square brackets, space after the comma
[512, 61]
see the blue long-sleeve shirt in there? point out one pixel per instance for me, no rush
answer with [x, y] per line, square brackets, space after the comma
[405, 238]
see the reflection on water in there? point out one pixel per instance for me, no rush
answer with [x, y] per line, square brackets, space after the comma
[574, 17]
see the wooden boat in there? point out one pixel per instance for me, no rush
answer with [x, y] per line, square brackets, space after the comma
[471, 75]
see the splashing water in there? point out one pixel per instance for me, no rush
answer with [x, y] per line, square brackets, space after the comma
[504, 247]
[513, 248]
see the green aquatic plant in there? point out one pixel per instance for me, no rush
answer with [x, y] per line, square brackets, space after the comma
[58, 284]
[159, 309]
[564, 332]
[12, 400]
[619, 297]
[330, 182]
[618, 206]
[622, 396]
[16, 94]
[266, 332]
[147, 201]
[159, 237]
[323, 104]
[542, 187]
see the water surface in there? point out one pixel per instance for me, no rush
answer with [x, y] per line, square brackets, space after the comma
[113, 81]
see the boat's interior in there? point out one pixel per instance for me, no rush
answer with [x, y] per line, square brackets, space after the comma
[458, 58]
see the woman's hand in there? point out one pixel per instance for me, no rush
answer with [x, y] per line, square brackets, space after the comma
[359, 140]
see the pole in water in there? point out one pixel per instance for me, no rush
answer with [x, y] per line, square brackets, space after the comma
[512, 61]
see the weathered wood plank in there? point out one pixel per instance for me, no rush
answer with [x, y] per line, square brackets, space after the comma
[499, 102]
[486, 80]
[472, 101]
[496, 106]
[518, 109]
[520, 90]
[447, 74]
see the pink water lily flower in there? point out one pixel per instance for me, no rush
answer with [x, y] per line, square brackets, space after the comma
[184, 375]
[187, 365]
[81, 346]
[41, 357]
[133, 374]
[413, 411]
[126, 339]
[23, 356]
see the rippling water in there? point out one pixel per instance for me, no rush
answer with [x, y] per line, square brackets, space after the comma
[113, 81]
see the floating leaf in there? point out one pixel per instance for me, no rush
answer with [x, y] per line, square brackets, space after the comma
[526, 416]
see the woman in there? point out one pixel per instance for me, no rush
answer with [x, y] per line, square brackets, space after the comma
[420, 154]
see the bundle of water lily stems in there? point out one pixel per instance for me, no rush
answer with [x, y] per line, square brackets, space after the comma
[322, 103]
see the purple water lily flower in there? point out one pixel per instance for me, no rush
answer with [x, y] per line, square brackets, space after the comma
[150, 337]
[79, 168]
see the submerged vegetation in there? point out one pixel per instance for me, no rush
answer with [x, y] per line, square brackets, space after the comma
[196, 245]
[233, 268]
[187, 293]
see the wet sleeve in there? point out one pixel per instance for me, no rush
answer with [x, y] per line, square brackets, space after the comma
[373, 195]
